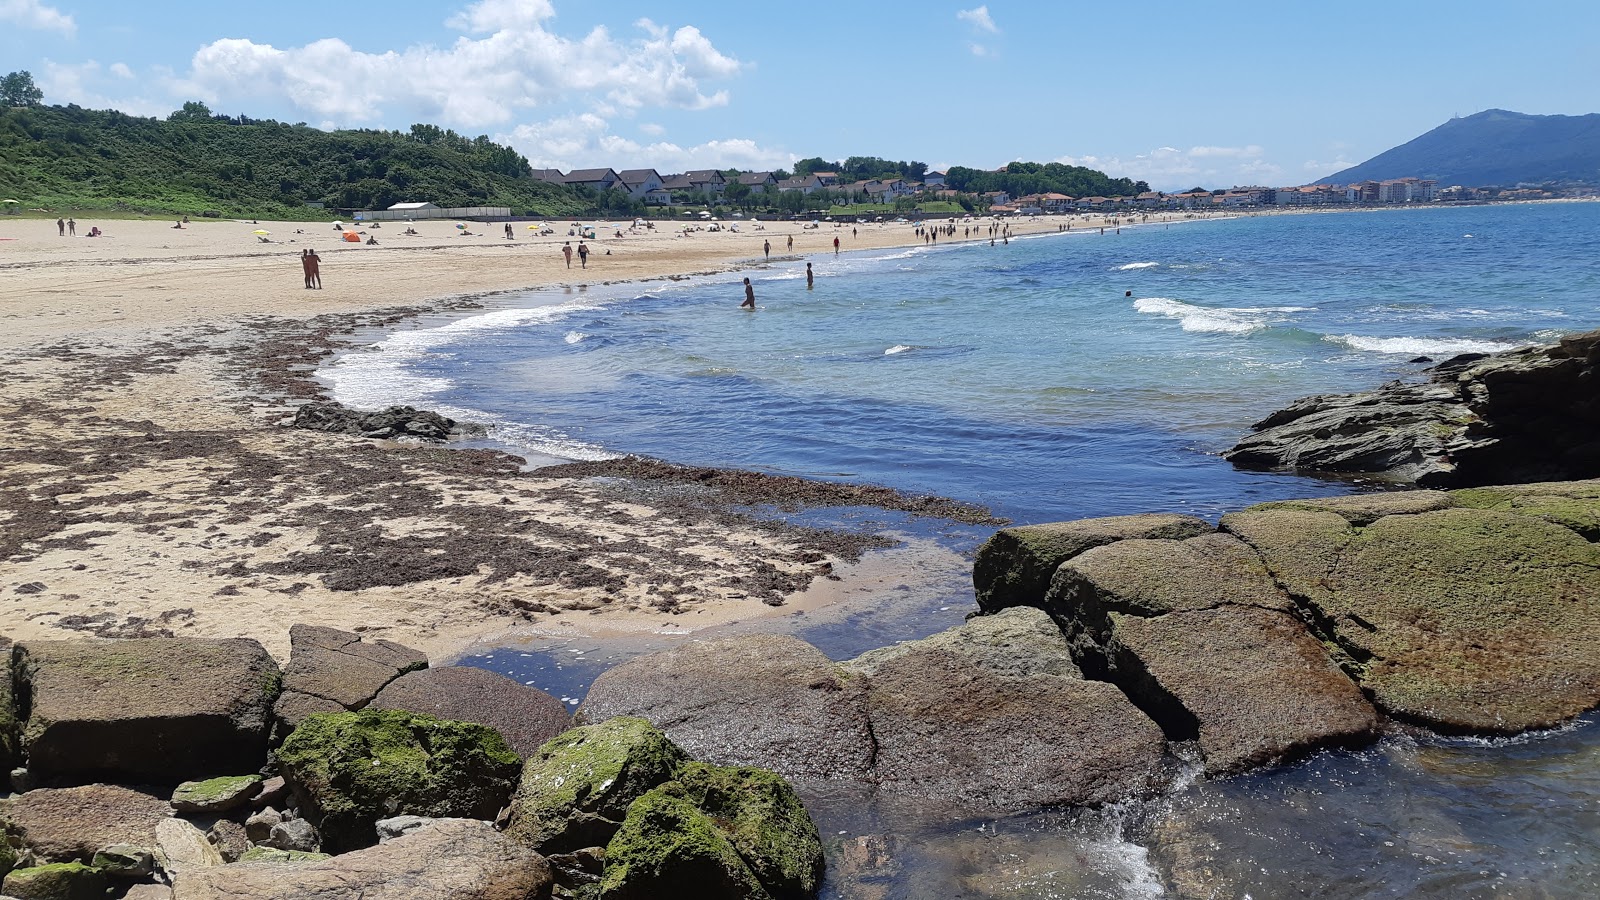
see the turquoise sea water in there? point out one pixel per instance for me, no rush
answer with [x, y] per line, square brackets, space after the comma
[1022, 377]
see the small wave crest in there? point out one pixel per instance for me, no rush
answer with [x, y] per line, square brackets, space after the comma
[1129, 267]
[1221, 320]
[1418, 346]
[574, 337]
[897, 349]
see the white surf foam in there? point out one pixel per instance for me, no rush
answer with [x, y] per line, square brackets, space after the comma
[897, 348]
[1222, 320]
[1418, 346]
[574, 337]
[1129, 267]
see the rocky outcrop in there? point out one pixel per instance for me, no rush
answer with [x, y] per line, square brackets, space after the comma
[147, 710]
[348, 770]
[525, 716]
[66, 824]
[56, 881]
[720, 700]
[393, 423]
[992, 716]
[336, 671]
[1525, 415]
[452, 859]
[1014, 567]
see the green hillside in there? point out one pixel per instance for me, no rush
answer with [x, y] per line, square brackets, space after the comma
[65, 157]
[1494, 147]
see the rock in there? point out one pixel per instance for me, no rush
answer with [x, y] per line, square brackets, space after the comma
[763, 818]
[57, 881]
[579, 869]
[215, 795]
[10, 727]
[1464, 620]
[575, 791]
[259, 826]
[1254, 686]
[66, 824]
[348, 770]
[153, 709]
[333, 671]
[453, 859]
[1153, 577]
[1521, 416]
[1364, 509]
[273, 792]
[274, 855]
[293, 836]
[230, 839]
[667, 849]
[962, 719]
[148, 892]
[124, 861]
[1571, 504]
[399, 826]
[181, 847]
[766, 700]
[1014, 567]
[526, 717]
[395, 422]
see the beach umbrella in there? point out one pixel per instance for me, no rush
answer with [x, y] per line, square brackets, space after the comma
[461, 226]
[10, 201]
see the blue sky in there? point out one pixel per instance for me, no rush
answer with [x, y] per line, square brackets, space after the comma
[1175, 93]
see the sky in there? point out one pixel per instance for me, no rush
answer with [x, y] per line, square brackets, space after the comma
[1179, 94]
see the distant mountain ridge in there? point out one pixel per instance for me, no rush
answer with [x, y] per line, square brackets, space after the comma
[1493, 147]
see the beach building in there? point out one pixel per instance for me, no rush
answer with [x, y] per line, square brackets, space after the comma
[805, 184]
[553, 176]
[757, 181]
[413, 207]
[644, 185]
[996, 198]
[593, 179]
[828, 179]
[709, 183]
[933, 180]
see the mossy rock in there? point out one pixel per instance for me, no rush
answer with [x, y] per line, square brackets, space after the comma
[274, 855]
[759, 812]
[576, 790]
[57, 881]
[1364, 509]
[1571, 504]
[668, 849]
[216, 794]
[348, 770]
[1014, 567]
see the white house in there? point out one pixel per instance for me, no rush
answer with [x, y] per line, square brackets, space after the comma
[644, 185]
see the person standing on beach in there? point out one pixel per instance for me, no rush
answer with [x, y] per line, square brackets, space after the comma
[61, 227]
[766, 248]
[791, 242]
[749, 296]
[811, 279]
[583, 255]
[566, 250]
[836, 245]
[305, 266]
[72, 228]
[315, 262]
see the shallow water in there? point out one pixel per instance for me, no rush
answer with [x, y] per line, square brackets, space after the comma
[1021, 377]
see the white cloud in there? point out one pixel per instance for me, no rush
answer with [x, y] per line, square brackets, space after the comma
[585, 140]
[75, 83]
[121, 70]
[508, 61]
[979, 18]
[1169, 168]
[35, 15]
[1327, 168]
[652, 129]
[978, 49]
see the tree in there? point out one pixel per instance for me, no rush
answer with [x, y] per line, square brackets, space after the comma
[737, 193]
[193, 111]
[17, 89]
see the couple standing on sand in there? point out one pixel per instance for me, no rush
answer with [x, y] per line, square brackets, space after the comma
[312, 264]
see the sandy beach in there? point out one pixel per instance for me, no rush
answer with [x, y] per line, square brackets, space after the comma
[149, 483]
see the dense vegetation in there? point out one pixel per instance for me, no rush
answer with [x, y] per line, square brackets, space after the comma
[861, 168]
[1492, 148]
[1021, 178]
[68, 157]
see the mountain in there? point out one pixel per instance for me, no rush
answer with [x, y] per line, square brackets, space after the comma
[65, 156]
[1494, 147]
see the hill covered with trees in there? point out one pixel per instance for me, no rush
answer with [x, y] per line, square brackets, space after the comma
[1022, 178]
[1495, 147]
[69, 157]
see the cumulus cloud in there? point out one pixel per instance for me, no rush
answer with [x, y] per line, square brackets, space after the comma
[120, 70]
[77, 83]
[979, 18]
[1169, 168]
[508, 60]
[36, 15]
[586, 140]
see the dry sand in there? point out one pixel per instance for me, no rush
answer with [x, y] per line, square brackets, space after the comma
[148, 484]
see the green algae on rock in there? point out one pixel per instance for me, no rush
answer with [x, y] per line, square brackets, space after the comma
[1573, 504]
[348, 770]
[56, 881]
[668, 849]
[274, 855]
[216, 794]
[759, 812]
[1014, 567]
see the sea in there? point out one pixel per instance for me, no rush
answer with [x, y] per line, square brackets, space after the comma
[1050, 377]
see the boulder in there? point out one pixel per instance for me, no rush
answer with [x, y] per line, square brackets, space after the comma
[273, 792]
[1154, 577]
[148, 892]
[392, 423]
[258, 827]
[1571, 504]
[10, 727]
[1465, 620]
[525, 716]
[575, 791]
[1364, 509]
[124, 861]
[181, 847]
[400, 826]
[1520, 416]
[230, 839]
[274, 855]
[348, 770]
[453, 859]
[216, 795]
[993, 717]
[763, 818]
[668, 849]
[332, 671]
[67, 824]
[1014, 567]
[292, 836]
[765, 700]
[56, 881]
[157, 710]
